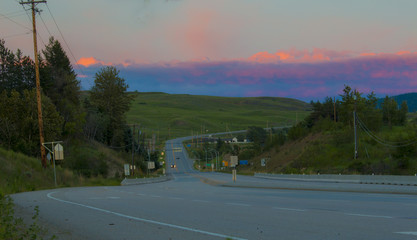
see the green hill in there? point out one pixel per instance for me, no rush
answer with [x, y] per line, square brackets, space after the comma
[182, 115]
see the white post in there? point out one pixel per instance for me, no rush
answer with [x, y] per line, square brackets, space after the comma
[53, 158]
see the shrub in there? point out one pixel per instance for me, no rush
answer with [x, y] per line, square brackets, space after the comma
[14, 228]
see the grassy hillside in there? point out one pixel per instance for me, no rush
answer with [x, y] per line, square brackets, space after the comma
[332, 151]
[20, 173]
[182, 115]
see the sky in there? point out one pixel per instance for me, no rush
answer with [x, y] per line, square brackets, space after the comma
[299, 49]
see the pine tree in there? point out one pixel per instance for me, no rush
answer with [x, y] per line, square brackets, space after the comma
[60, 84]
[109, 95]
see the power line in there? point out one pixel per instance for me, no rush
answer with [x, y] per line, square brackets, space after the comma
[413, 140]
[14, 14]
[21, 25]
[384, 142]
[16, 35]
[50, 35]
[66, 44]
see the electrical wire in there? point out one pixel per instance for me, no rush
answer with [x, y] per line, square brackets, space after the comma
[13, 14]
[16, 35]
[50, 35]
[40, 37]
[21, 25]
[66, 44]
[384, 142]
[413, 140]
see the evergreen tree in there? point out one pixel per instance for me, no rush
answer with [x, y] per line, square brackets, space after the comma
[60, 84]
[402, 113]
[109, 95]
[17, 72]
[389, 111]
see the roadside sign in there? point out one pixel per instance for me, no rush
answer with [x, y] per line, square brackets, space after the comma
[177, 149]
[263, 162]
[243, 162]
[233, 161]
[151, 165]
[127, 170]
[59, 152]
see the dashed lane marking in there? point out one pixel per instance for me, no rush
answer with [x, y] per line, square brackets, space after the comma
[239, 204]
[408, 233]
[366, 215]
[290, 209]
[202, 201]
[176, 198]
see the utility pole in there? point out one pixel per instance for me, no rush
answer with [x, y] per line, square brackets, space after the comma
[354, 127]
[38, 85]
[334, 108]
[133, 149]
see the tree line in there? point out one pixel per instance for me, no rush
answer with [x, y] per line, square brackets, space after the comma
[69, 114]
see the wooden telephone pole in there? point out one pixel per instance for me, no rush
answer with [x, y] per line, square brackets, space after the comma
[38, 85]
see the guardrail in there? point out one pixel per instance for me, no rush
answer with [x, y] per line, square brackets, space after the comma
[138, 181]
[359, 179]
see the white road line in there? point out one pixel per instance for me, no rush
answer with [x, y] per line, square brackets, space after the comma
[154, 196]
[290, 209]
[202, 201]
[113, 197]
[239, 204]
[365, 215]
[140, 194]
[176, 198]
[49, 195]
[408, 233]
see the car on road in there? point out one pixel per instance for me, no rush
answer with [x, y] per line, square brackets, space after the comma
[173, 166]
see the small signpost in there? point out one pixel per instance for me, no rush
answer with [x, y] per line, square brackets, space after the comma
[151, 165]
[127, 170]
[57, 151]
[233, 163]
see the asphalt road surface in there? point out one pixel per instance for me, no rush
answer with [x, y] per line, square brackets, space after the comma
[195, 206]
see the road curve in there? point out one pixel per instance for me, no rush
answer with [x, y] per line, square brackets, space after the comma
[188, 208]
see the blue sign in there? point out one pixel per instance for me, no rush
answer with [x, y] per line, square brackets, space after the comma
[243, 162]
[189, 145]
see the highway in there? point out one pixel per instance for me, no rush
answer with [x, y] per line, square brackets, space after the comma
[196, 205]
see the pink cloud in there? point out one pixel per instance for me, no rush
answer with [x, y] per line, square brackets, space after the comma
[294, 73]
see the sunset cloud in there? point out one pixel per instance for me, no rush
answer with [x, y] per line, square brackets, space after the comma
[86, 62]
[294, 73]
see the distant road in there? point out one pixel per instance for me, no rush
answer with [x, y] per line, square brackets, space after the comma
[194, 205]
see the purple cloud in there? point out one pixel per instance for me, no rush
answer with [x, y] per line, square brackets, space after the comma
[385, 74]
